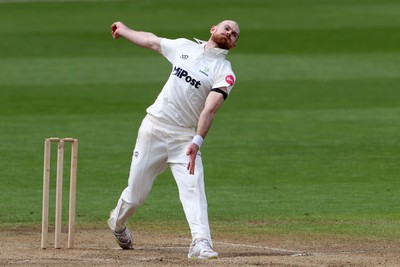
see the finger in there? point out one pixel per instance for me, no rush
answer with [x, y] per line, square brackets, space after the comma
[192, 160]
[190, 168]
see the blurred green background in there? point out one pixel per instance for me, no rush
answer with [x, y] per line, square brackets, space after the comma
[308, 142]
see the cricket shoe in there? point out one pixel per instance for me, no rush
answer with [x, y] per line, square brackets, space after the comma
[123, 238]
[201, 249]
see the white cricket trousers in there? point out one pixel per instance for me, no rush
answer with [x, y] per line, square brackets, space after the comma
[158, 146]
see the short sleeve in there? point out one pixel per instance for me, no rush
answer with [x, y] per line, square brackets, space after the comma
[225, 78]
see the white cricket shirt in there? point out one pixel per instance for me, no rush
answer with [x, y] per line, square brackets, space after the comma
[195, 71]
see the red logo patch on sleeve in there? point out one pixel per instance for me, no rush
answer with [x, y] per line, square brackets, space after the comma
[230, 80]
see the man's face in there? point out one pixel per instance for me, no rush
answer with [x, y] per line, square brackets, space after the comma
[225, 34]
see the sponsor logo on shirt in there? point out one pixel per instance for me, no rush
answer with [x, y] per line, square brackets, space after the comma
[206, 69]
[230, 80]
[183, 74]
[184, 56]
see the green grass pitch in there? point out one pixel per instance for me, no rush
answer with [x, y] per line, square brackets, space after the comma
[308, 142]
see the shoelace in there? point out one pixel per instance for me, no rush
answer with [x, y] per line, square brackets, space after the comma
[123, 237]
[205, 244]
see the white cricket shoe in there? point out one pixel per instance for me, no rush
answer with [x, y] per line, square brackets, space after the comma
[201, 249]
[123, 238]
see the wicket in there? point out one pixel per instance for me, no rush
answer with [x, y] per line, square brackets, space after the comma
[59, 189]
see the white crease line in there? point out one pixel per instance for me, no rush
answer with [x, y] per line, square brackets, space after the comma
[295, 252]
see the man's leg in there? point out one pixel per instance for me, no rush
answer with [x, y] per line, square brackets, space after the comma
[148, 161]
[193, 197]
[194, 202]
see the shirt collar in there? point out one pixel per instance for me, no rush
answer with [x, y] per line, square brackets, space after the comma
[212, 51]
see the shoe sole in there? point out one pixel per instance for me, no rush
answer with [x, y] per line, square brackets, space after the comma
[203, 258]
[124, 246]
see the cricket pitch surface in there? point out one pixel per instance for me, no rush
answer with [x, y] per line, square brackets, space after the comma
[97, 247]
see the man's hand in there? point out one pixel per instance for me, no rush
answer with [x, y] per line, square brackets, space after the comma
[116, 29]
[191, 151]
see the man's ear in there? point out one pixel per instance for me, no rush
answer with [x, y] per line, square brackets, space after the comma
[213, 27]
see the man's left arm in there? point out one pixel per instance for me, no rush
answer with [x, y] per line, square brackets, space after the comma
[213, 103]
